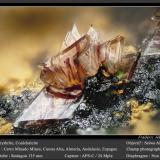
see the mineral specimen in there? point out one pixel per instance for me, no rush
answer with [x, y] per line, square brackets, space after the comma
[64, 75]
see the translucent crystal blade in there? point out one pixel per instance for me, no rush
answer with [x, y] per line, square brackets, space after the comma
[75, 32]
[48, 107]
[118, 60]
[93, 35]
[114, 50]
[71, 37]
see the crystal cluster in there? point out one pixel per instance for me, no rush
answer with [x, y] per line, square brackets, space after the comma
[81, 57]
[65, 74]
